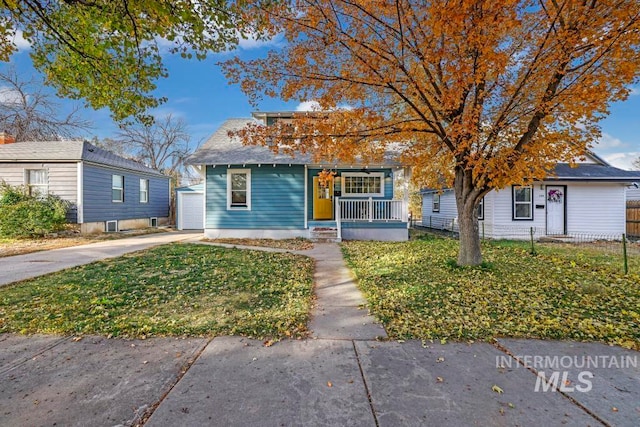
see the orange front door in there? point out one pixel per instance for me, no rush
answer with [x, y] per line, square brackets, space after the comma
[322, 199]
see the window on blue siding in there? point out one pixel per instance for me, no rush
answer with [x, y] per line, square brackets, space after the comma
[117, 188]
[522, 202]
[239, 189]
[436, 203]
[362, 184]
[144, 191]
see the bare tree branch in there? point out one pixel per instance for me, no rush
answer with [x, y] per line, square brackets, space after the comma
[31, 114]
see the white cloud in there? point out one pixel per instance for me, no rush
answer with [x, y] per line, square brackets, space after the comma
[308, 106]
[607, 141]
[251, 42]
[9, 96]
[622, 160]
[315, 106]
[18, 39]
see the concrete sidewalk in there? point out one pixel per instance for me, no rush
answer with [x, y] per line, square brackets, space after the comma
[339, 380]
[234, 381]
[21, 267]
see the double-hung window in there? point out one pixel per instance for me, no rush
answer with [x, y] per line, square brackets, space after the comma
[239, 189]
[117, 188]
[37, 181]
[435, 205]
[522, 202]
[362, 184]
[480, 209]
[144, 190]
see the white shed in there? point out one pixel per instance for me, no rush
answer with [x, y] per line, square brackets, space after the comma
[190, 207]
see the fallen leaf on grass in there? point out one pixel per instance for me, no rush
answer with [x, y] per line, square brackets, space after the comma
[497, 389]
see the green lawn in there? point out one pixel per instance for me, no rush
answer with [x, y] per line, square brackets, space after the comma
[417, 291]
[173, 290]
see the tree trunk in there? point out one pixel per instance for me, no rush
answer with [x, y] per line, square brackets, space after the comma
[466, 197]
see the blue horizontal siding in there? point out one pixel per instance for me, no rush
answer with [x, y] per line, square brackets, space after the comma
[97, 195]
[277, 198]
[375, 224]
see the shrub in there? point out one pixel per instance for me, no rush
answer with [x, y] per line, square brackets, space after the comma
[24, 215]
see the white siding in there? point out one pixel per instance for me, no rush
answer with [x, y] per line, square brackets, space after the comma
[448, 210]
[498, 215]
[633, 193]
[596, 208]
[62, 179]
[591, 208]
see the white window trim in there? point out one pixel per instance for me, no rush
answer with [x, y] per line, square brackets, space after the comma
[146, 191]
[43, 189]
[239, 208]
[514, 203]
[434, 203]
[356, 174]
[117, 188]
[106, 226]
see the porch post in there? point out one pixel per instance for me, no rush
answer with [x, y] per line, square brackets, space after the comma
[406, 172]
[370, 209]
[306, 190]
[338, 219]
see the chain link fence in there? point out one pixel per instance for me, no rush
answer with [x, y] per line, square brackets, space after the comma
[606, 245]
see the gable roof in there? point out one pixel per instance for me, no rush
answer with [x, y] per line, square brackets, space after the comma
[592, 172]
[601, 171]
[68, 151]
[221, 149]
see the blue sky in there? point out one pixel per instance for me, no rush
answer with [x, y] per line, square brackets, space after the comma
[198, 92]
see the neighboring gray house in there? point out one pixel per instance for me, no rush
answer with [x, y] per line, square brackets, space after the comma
[587, 199]
[106, 192]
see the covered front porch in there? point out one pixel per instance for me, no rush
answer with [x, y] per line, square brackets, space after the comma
[356, 204]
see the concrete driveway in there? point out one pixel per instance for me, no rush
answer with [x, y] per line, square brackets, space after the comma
[21, 267]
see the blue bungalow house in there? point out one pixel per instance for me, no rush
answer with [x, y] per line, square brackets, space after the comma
[251, 192]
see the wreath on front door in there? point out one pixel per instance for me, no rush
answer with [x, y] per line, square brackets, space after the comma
[554, 196]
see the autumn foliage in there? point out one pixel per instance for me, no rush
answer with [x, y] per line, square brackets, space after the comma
[473, 94]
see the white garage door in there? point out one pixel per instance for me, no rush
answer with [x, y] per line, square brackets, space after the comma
[191, 215]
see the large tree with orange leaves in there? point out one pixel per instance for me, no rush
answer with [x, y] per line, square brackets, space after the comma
[474, 94]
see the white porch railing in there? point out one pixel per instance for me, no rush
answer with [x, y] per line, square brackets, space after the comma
[368, 210]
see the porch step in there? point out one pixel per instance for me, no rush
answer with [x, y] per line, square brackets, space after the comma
[324, 234]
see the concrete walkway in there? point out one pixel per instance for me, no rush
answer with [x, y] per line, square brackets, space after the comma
[22, 267]
[342, 376]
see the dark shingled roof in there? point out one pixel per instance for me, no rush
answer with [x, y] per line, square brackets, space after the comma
[68, 151]
[602, 171]
[593, 172]
[220, 149]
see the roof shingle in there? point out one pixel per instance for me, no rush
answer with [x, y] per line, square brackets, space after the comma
[68, 151]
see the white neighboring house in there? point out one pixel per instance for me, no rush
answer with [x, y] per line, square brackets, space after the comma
[633, 191]
[587, 199]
